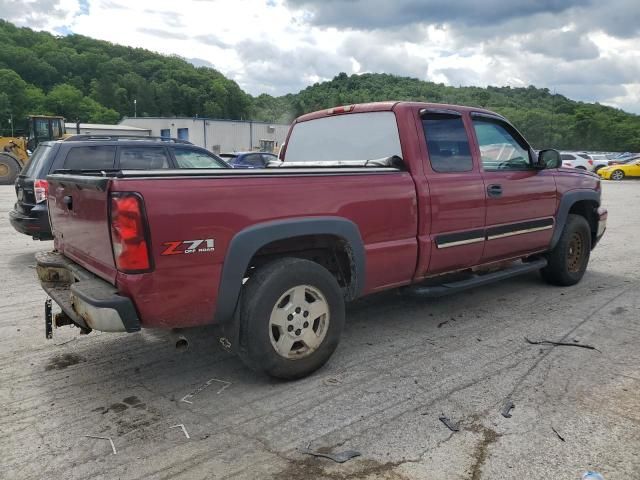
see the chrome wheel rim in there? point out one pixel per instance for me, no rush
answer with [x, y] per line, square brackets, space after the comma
[617, 175]
[299, 322]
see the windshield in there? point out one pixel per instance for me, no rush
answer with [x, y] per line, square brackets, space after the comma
[355, 136]
[186, 158]
[38, 164]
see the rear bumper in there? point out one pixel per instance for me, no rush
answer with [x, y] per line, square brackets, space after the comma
[35, 224]
[88, 300]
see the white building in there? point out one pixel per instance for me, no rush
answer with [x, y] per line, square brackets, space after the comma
[218, 136]
[103, 129]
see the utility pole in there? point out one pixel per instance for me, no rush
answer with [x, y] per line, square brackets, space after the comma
[135, 108]
[11, 122]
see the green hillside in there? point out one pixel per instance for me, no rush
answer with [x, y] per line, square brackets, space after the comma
[97, 81]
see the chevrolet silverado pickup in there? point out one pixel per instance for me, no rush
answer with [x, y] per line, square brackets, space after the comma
[434, 198]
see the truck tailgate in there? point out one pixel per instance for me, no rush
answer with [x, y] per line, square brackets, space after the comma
[78, 211]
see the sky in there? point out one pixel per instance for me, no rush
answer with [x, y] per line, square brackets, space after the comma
[586, 50]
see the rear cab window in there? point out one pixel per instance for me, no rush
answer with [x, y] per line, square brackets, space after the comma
[352, 136]
[39, 163]
[90, 158]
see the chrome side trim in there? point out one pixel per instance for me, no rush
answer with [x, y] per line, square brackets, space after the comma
[519, 232]
[460, 242]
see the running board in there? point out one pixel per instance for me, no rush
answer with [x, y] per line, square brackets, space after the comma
[476, 280]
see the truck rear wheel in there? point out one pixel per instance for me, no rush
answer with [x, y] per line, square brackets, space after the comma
[9, 169]
[292, 315]
[569, 259]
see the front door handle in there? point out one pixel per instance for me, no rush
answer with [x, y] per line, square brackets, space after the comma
[494, 190]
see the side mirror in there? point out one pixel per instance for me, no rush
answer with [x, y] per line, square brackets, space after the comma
[549, 158]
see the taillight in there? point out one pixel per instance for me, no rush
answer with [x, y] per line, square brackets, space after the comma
[128, 234]
[41, 190]
[590, 162]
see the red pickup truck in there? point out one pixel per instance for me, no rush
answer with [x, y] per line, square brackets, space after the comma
[436, 198]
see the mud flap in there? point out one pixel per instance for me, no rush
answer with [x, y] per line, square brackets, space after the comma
[48, 319]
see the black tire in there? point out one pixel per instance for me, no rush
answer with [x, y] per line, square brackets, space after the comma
[619, 174]
[9, 169]
[263, 293]
[568, 261]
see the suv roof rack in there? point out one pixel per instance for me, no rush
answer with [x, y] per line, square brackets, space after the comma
[106, 138]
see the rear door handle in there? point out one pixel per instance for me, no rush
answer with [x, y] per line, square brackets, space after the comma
[494, 190]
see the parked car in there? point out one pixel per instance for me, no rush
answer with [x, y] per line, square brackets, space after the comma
[599, 160]
[631, 168]
[623, 160]
[248, 159]
[86, 152]
[581, 161]
[367, 198]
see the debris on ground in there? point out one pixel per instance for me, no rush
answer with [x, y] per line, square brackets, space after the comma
[224, 383]
[506, 410]
[561, 344]
[339, 457]
[332, 381]
[184, 430]
[113, 447]
[559, 436]
[450, 425]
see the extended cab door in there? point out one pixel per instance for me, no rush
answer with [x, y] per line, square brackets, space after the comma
[456, 192]
[520, 200]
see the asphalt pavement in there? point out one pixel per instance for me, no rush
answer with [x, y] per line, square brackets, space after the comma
[401, 365]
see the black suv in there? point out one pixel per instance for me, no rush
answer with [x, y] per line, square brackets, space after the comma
[86, 152]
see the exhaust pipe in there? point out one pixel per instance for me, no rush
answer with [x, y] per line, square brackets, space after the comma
[181, 342]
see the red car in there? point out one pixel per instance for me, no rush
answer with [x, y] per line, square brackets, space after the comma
[367, 198]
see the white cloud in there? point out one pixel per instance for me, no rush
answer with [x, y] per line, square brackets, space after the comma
[281, 46]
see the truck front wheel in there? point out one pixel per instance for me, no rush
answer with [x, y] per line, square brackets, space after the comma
[292, 315]
[568, 261]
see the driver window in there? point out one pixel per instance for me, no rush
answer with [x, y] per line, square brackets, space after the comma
[499, 149]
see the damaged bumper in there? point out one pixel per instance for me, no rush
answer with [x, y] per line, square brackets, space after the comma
[89, 301]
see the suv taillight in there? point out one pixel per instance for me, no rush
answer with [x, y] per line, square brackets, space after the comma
[590, 162]
[40, 190]
[128, 233]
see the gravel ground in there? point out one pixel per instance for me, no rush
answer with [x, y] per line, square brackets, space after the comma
[402, 363]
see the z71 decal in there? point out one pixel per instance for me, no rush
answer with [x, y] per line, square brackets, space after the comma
[189, 246]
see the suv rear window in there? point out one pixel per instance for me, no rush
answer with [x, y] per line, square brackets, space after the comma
[90, 158]
[353, 136]
[39, 164]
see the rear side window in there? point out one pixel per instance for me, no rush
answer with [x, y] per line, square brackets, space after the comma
[352, 136]
[90, 158]
[447, 143]
[186, 158]
[143, 158]
[565, 156]
[38, 164]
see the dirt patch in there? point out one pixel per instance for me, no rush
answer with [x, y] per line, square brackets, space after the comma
[618, 310]
[60, 362]
[133, 400]
[313, 468]
[481, 452]
[117, 407]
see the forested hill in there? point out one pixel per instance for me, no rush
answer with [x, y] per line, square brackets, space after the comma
[97, 81]
[546, 119]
